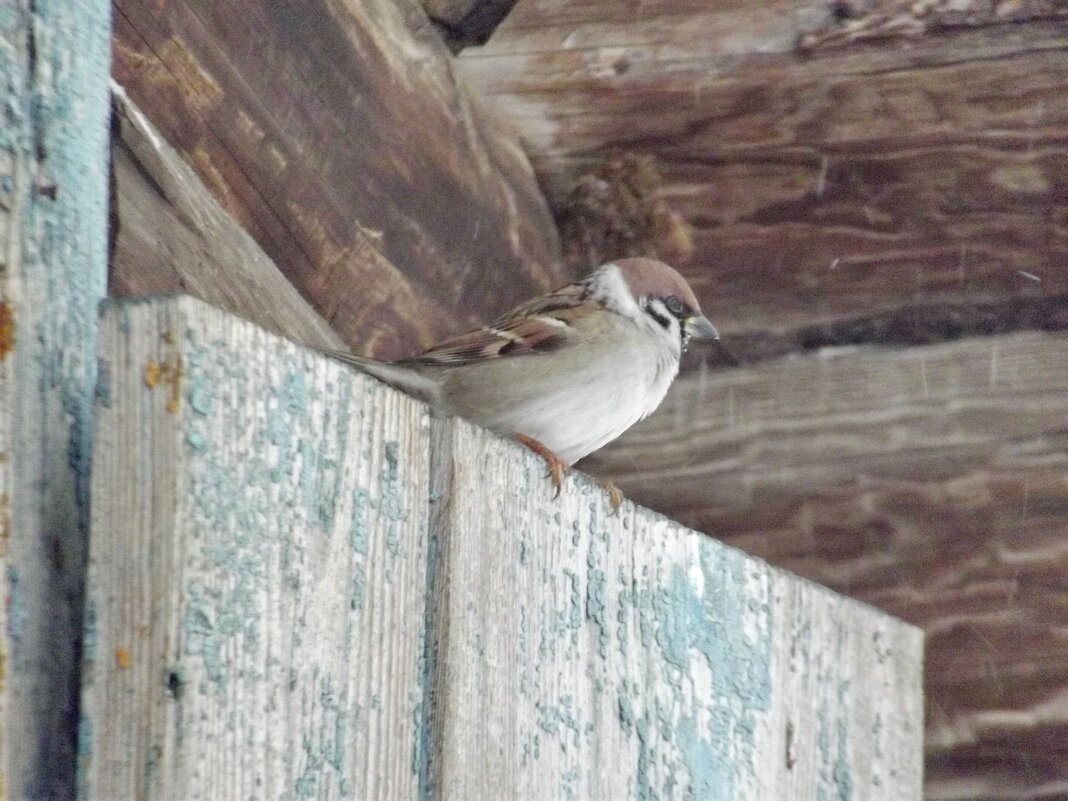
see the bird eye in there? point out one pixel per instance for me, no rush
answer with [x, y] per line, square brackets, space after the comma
[675, 306]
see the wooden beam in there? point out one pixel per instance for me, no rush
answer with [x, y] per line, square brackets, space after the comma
[170, 235]
[929, 482]
[348, 598]
[337, 135]
[585, 18]
[53, 265]
[823, 188]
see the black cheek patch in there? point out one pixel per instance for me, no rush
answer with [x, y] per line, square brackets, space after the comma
[665, 322]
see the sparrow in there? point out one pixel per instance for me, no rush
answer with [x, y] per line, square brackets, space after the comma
[567, 372]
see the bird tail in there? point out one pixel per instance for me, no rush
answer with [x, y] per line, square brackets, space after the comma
[398, 376]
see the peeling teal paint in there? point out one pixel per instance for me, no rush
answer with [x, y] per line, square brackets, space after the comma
[17, 613]
[200, 394]
[360, 528]
[423, 735]
[389, 504]
[569, 784]
[103, 383]
[419, 700]
[90, 632]
[644, 784]
[570, 619]
[843, 778]
[710, 769]
[698, 616]
[595, 598]
[83, 753]
[823, 744]
[323, 749]
[626, 713]
[559, 719]
[359, 587]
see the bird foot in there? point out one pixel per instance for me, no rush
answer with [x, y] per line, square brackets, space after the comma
[555, 464]
[615, 496]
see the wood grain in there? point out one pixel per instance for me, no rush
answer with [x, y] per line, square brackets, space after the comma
[301, 586]
[337, 135]
[257, 568]
[172, 236]
[53, 270]
[930, 482]
[582, 654]
[823, 187]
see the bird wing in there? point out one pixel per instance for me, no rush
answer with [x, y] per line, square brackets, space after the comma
[537, 326]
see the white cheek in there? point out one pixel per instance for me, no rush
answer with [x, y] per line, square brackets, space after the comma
[613, 292]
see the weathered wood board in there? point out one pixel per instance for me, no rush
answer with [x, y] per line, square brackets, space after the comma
[922, 169]
[586, 655]
[336, 133]
[53, 267]
[170, 235]
[255, 604]
[931, 482]
[300, 586]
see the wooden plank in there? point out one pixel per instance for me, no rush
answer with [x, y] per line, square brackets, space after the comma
[930, 482]
[53, 264]
[256, 590]
[356, 162]
[585, 655]
[172, 236]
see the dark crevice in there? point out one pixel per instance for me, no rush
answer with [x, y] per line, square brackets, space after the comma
[476, 27]
[906, 327]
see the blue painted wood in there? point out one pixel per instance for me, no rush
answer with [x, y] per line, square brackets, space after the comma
[303, 584]
[587, 653]
[54, 63]
[259, 559]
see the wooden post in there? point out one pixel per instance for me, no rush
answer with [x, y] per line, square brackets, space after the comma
[301, 586]
[54, 60]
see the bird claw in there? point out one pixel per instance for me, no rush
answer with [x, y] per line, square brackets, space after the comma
[555, 464]
[556, 471]
[615, 496]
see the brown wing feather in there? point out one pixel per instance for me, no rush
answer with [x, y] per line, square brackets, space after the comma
[516, 333]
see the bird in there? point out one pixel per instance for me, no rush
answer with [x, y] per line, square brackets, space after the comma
[567, 372]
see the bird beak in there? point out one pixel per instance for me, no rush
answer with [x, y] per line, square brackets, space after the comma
[699, 327]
